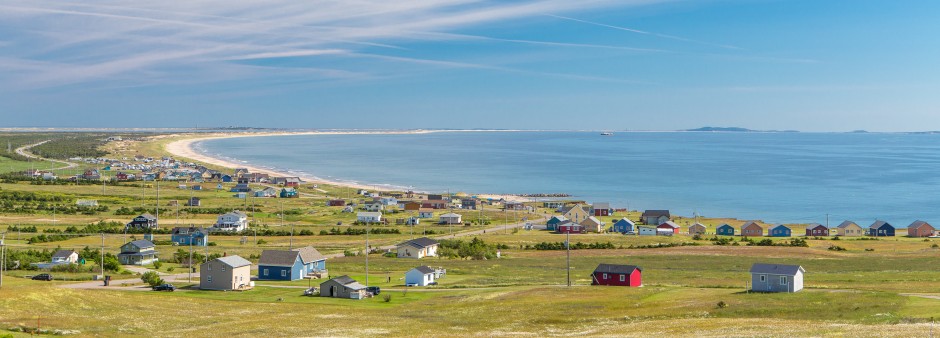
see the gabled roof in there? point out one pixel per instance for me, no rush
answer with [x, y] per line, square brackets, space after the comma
[424, 269]
[559, 218]
[725, 225]
[348, 282]
[697, 225]
[616, 268]
[369, 214]
[142, 243]
[670, 224]
[592, 219]
[750, 223]
[234, 261]
[278, 257]
[63, 253]
[879, 224]
[918, 224]
[846, 224]
[450, 215]
[565, 222]
[779, 226]
[601, 205]
[309, 254]
[187, 230]
[815, 225]
[655, 213]
[625, 220]
[147, 215]
[776, 269]
[422, 242]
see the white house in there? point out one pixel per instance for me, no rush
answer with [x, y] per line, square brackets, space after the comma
[646, 230]
[776, 277]
[369, 217]
[418, 248]
[86, 203]
[451, 218]
[373, 206]
[425, 213]
[420, 276]
[234, 221]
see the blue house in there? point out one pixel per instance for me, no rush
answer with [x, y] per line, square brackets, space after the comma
[881, 228]
[288, 193]
[290, 264]
[190, 235]
[226, 178]
[552, 224]
[241, 187]
[725, 230]
[624, 226]
[780, 231]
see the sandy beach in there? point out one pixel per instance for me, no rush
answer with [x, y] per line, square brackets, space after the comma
[184, 148]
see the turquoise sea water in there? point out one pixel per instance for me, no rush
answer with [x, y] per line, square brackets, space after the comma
[776, 177]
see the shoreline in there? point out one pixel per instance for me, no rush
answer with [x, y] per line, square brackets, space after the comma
[184, 148]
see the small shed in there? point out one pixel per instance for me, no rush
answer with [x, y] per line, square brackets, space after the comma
[697, 229]
[419, 276]
[342, 287]
[776, 277]
[646, 230]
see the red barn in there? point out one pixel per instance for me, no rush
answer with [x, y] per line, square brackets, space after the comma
[816, 229]
[569, 227]
[668, 228]
[617, 275]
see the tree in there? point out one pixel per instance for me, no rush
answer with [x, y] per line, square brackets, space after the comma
[152, 278]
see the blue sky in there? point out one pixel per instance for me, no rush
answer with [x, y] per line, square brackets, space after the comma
[811, 65]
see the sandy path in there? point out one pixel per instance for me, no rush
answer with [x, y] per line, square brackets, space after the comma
[24, 151]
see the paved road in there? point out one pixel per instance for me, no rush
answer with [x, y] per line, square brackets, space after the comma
[116, 284]
[24, 151]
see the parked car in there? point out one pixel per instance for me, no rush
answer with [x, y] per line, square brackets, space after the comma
[311, 291]
[164, 287]
[374, 290]
[43, 276]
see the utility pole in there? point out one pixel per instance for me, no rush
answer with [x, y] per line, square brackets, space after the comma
[3, 257]
[827, 221]
[568, 255]
[102, 255]
[367, 253]
[158, 201]
[191, 259]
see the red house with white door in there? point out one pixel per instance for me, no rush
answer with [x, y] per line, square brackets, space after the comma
[617, 275]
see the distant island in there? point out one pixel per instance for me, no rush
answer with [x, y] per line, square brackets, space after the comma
[739, 130]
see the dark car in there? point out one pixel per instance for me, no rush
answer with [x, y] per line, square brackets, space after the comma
[374, 290]
[164, 287]
[43, 276]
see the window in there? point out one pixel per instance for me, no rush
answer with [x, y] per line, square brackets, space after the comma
[283, 273]
[210, 278]
[223, 268]
[783, 280]
[265, 272]
[605, 276]
[763, 278]
[209, 267]
[623, 277]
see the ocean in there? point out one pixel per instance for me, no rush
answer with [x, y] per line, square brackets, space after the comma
[774, 177]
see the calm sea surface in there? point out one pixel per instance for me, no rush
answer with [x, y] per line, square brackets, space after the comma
[776, 177]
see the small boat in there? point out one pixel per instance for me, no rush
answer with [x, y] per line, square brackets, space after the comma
[606, 133]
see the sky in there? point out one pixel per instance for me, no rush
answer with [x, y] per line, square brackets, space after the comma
[809, 65]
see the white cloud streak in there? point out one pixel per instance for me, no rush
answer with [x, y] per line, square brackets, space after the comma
[665, 36]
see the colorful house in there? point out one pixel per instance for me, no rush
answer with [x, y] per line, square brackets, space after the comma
[139, 252]
[655, 217]
[289, 193]
[920, 229]
[569, 227]
[697, 229]
[552, 224]
[144, 221]
[190, 236]
[752, 229]
[881, 228]
[624, 225]
[592, 224]
[225, 273]
[849, 229]
[646, 230]
[816, 229]
[575, 213]
[725, 230]
[776, 277]
[234, 221]
[780, 230]
[601, 209]
[668, 228]
[290, 264]
[617, 275]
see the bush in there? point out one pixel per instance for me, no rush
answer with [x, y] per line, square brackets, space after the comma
[151, 278]
[170, 269]
[157, 265]
[349, 253]
[836, 248]
[262, 241]
[722, 304]
[387, 298]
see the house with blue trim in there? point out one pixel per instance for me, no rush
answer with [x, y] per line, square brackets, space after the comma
[289, 193]
[623, 226]
[780, 230]
[552, 224]
[291, 264]
[190, 236]
[725, 230]
[226, 178]
[881, 228]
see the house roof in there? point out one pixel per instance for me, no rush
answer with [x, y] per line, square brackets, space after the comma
[355, 286]
[450, 215]
[369, 214]
[601, 205]
[670, 224]
[424, 269]
[879, 224]
[143, 243]
[567, 209]
[815, 225]
[655, 213]
[559, 218]
[187, 230]
[234, 261]
[616, 268]
[918, 224]
[278, 257]
[776, 269]
[779, 226]
[697, 225]
[63, 253]
[147, 215]
[422, 242]
[751, 223]
[846, 224]
[592, 219]
[309, 254]
[725, 225]
[625, 220]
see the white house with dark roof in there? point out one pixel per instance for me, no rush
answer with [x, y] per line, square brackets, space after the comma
[65, 257]
[776, 277]
[225, 273]
[420, 276]
[234, 221]
[369, 217]
[417, 248]
[451, 218]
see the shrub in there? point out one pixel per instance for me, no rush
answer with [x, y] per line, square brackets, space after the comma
[349, 253]
[157, 265]
[170, 269]
[387, 297]
[722, 304]
[935, 246]
[262, 241]
[836, 248]
[151, 278]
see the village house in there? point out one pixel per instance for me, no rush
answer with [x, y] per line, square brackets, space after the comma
[569, 227]
[267, 192]
[780, 230]
[336, 203]
[241, 187]
[342, 287]
[816, 229]
[725, 230]
[553, 204]
[65, 257]
[514, 206]
[417, 248]
[592, 224]
[450, 218]
[468, 203]
[624, 226]
[234, 221]
[646, 230]
[655, 217]
[190, 236]
[139, 252]
[193, 202]
[86, 203]
[434, 204]
[291, 264]
[752, 229]
[881, 228]
[426, 213]
[289, 193]
[145, 221]
[575, 213]
[369, 217]
[920, 229]
[411, 206]
[601, 209]
[850, 229]
[776, 277]
[373, 206]
[292, 182]
[227, 273]
[697, 229]
[552, 223]
[668, 228]
[617, 275]
[419, 276]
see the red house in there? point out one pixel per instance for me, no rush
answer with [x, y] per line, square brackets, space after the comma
[336, 203]
[292, 182]
[816, 229]
[617, 275]
[667, 228]
[569, 227]
[121, 176]
[920, 229]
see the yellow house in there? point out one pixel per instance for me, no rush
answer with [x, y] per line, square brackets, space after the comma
[592, 224]
[849, 229]
[576, 214]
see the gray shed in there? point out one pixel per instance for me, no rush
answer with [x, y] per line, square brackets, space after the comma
[342, 287]
[776, 277]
